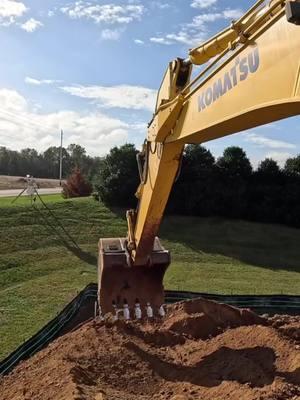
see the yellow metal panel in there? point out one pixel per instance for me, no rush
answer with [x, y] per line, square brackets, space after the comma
[260, 83]
[297, 83]
[255, 87]
[164, 121]
[163, 166]
[165, 87]
[212, 48]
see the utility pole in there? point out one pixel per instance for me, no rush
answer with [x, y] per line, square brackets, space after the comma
[60, 156]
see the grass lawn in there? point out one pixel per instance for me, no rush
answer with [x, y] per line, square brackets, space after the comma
[40, 271]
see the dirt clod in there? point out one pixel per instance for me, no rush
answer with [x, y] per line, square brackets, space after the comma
[201, 350]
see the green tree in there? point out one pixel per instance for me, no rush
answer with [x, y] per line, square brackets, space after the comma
[4, 161]
[268, 170]
[193, 192]
[233, 172]
[235, 163]
[51, 162]
[118, 178]
[77, 154]
[266, 193]
[292, 165]
[30, 160]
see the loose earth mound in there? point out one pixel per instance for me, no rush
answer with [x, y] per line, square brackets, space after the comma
[201, 350]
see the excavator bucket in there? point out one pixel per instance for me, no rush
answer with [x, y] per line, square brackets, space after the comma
[120, 283]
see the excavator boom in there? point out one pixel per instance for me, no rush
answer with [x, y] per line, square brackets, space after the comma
[253, 79]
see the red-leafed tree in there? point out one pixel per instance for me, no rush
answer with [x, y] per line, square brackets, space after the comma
[76, 185]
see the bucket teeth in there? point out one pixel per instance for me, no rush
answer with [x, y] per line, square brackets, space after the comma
[125, 313]
[118, 281]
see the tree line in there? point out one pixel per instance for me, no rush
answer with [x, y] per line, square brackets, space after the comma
[46, 164]
[226, 187]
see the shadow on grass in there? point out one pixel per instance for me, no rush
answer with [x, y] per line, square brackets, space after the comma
[263, 245]
[82, 255]
[119, 212]
[55, 226]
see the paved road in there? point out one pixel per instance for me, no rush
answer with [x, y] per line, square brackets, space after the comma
[15, 192]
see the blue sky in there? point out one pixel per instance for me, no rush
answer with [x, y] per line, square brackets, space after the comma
[92, 68]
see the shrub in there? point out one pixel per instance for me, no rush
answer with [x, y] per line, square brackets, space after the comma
[76, 185]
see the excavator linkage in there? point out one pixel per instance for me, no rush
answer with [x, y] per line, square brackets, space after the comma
[120, 282]
[253, 79]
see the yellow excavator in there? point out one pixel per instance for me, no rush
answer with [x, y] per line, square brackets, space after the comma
[250, 76]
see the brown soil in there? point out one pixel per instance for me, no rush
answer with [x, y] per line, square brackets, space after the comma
[201, 350]
[19, 182]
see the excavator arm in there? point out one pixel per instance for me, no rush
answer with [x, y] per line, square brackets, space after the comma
[253, 78]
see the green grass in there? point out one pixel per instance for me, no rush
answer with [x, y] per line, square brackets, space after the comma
[39, 275]
[24, 201]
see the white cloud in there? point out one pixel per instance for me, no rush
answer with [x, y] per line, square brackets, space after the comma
[280, 157]
[38, 82]
[139, 41]
[11, 100]
[111, 34]
[122, 96]
[263, 141]
[106, 13]
[199, 21]
[21, 127]
[203, 3]
[184, 36]
[195, 32]
[160, 5]
[32, 81]
[10, 10]
[161, 40]
[234, 13]
[31, 25]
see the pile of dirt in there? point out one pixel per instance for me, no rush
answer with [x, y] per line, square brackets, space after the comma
[200, 350]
